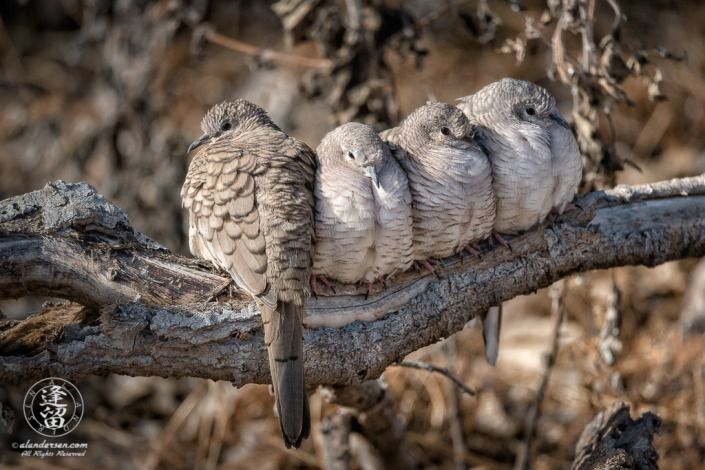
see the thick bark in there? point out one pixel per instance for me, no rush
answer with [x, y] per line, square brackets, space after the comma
[613, 440]
[145, 311]
[68, 241]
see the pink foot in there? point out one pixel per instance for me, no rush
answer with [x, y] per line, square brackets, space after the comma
[569, 207]
[325, 282]
[427, 263]
[369, 285]
[369, 289]
[497, 236]
[474, 249]
[555, 212]
[312, 282]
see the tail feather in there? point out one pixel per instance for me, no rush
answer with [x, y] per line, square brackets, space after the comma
[491, 324]
[283, 335]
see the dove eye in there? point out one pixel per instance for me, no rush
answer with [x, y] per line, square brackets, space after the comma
[445, 130]
[351, 156]
[530, 111]
[226, 126]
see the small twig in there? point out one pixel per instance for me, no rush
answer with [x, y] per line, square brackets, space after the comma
[617, 23]
[589, 60]
[699, 392]
[455, 412]
[435, 14]
[209, 34]
[556, 291]
[440, 370]
[377, 420]
[174, 424]
[613, 133]
[366, 455]
[566, 64]
[610, 344]
[335, 431]
[559, 51]
[14, 57]
[354, 14]
[267, 54]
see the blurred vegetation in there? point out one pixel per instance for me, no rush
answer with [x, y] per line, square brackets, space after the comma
[112, 92]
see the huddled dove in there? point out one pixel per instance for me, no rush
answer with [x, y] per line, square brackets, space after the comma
[536, 163]
[450, 180]
[363, 208]
[250, 200]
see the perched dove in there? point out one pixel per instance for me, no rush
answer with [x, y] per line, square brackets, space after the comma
[363, 208]
[536, 164]
[535, 159]
[250, 201]
[449, 177]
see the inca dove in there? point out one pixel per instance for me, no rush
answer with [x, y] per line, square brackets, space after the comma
[449, 178]
[536, 163]
[250, 201]
[535, 159]
[363, 208]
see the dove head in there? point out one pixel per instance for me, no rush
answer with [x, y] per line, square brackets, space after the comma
[438, 123]
[230, 118]
[356, 145]
[514, 101]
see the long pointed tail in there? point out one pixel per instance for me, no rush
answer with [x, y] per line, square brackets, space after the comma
[491, 324]
[283, 333]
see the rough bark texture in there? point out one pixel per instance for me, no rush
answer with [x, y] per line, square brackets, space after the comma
[144, 311]
[68, 241]
[613, 440]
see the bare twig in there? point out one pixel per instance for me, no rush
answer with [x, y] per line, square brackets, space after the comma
[367, 455]
[522, 461]
[589, 59]
[618, 19]
[175, 422]
[13, 59]
[610, 343]
[455, 411]
[335, 431]
[699, 392]
[437, 13]
[208, 33]
[559, 52]
[440, 370]
[378, 423]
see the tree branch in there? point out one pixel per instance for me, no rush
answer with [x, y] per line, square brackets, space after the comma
[68, 241]
[145, 311]
[441, 370]
[377, 422]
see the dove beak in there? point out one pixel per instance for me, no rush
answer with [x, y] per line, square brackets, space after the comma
[478, 145]
[556, 116]
[198, 142]
[373, 174]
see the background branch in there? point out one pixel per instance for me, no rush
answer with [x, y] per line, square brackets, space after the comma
[161, 329]
[614, 440]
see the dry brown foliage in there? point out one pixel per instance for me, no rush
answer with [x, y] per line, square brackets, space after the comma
[113, 92]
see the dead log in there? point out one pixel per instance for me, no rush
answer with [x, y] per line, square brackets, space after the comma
[613, 440]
